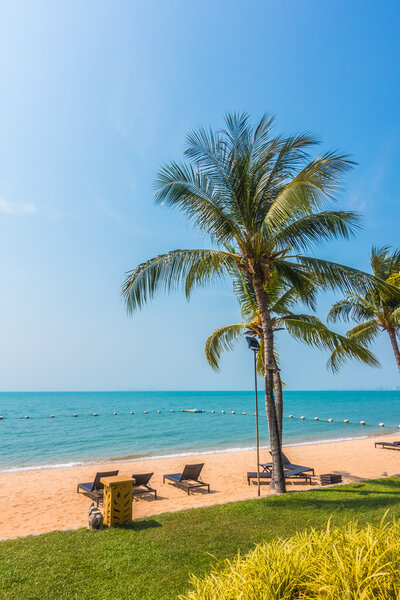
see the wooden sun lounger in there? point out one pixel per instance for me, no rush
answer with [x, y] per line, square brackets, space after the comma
[289, 474]
[141, 485]
[388, 445]
[95, 489]
[267, 467]
[189, 479]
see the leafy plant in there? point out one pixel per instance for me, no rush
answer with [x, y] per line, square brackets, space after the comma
[338, 562]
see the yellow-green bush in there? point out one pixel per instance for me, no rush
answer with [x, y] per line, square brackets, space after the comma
[347, 563]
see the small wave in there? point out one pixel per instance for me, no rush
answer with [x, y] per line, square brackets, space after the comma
[137, 458]
[43, 467]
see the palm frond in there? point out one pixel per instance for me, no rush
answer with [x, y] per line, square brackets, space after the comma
[212, 265]
[338, 276]
[221, 340]
[297, 277]
[311, 330]
[167, 272]
[310, 190]
[395, 317]
[313, 228]
[260, 360]
[244, 293]
[394, 279]
[364, 333]
[285, 302]
[350, 349]
[202, 201]
[353, 306]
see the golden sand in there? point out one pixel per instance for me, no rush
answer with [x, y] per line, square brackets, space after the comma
[45, 500]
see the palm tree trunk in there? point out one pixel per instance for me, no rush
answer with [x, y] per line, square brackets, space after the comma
[392, 334]
[278, 400]
[278, 478]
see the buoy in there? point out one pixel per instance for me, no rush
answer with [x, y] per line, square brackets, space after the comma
[302, 418]
[362, 422]
[26, 417]
[330, 420]
[75, 415]
[213, 411]
[381, 425]
[233, 412]
[159, 411]
[131, 412]
[223, 412]
[95, 414]
[290, 416]
[346, 421]
[51, 416]
[244, 413]
[145, 412]
[316, 419]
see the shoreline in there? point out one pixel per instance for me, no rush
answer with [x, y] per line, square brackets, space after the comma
[53, 504]
[127, 459]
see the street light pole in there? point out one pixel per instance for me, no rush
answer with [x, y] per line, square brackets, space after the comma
[255, 346]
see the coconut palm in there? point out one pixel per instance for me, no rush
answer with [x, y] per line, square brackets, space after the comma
[378, 309]
[283, 300]
[267, 198]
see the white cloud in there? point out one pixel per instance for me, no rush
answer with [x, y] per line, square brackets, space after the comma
[16, 208]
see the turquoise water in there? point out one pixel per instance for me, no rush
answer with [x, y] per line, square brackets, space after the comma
[41, 441]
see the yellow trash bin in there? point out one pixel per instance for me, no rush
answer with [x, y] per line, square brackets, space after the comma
[117, 501]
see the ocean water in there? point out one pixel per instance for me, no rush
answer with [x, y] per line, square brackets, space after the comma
[43, 442]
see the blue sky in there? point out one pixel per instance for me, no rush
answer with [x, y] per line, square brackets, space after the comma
[95, 97]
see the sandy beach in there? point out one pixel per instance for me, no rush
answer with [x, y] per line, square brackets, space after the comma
[34, 502]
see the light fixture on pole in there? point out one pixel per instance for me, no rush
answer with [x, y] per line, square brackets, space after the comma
[255, 346]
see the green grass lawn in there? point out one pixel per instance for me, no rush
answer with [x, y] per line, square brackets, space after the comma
[152, 559]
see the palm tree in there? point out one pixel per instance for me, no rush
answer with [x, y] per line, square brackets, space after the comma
[262, 194]
[378, 309]
[304, 328]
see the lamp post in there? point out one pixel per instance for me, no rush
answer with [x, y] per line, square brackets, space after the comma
[255, 346]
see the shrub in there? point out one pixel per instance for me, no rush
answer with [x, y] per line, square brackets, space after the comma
[339, 563]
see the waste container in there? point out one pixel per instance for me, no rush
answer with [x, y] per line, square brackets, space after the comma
[117, 501]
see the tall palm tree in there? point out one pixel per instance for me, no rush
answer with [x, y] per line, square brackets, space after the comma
[265, 196]
[378, 309]
[283, 300]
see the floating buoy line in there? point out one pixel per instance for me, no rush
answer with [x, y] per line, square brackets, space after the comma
[195, 410]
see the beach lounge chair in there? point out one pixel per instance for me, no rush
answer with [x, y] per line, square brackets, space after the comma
[141, 485]
[289, 474]
[95, 489]
[189, 479]
[267, 467]
[389, 445]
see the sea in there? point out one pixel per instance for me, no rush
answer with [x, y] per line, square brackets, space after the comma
[40, 430]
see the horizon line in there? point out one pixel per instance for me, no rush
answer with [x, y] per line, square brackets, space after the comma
[154, 391]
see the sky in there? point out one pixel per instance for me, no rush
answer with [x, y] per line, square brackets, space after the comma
[95, 97]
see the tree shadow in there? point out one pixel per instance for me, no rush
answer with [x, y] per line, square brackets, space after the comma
[359, 496]
[142, 525]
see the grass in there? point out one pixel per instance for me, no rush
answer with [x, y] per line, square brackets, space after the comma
[153, 558]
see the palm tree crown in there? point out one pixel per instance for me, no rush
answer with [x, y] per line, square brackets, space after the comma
[378, 309]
